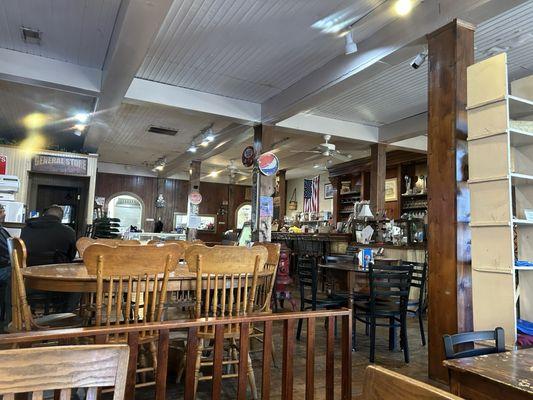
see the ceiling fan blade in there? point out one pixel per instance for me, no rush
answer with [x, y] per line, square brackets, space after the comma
[315, 157]
[339, 156]
[306, 151]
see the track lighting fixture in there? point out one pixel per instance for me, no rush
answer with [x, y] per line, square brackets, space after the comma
[350, 46]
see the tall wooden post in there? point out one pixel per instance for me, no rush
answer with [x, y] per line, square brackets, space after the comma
[261, 186]
[451, 51]
[378, 171]
[282, 193]
[194, 185]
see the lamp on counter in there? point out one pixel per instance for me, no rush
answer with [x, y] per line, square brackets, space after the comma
[365, 212]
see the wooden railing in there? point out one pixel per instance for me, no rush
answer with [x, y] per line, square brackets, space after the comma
[289, 320]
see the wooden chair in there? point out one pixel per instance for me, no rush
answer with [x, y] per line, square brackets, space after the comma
[131, 288]
[387, 305]
[383, 384]
[226, 285]
[468, 338]
[84, 242]
[418, 280]
[21, 316]
[183, 244]
[35, 370]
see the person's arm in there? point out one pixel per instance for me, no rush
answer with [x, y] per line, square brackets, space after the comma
[5, 260]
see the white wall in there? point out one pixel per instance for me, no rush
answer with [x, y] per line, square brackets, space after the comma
[19, 164]
[298, 184]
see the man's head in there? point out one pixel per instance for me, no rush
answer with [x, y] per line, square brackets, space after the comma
[2, 213]
[54, 210]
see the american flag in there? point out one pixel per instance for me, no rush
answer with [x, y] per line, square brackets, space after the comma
[311, 187]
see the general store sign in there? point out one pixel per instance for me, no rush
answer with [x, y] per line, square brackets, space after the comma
[59, 164]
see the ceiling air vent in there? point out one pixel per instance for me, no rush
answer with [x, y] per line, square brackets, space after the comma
[162, 131]
[30, 35]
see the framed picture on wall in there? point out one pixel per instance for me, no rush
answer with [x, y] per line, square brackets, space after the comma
[328, 191]
[391, 189]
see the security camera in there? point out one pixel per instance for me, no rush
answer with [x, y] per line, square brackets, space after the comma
[419, 60]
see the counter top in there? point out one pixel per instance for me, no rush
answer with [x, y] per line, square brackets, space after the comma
[418, 246]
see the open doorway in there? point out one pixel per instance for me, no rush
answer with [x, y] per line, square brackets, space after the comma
[69, 192]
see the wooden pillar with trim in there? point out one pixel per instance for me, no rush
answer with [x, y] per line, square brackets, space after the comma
[378, 171]
[194, 186]
[261, 186]
[450, 52]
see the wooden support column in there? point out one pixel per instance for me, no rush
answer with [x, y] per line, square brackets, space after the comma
[282, 194]
[378, 172]
[451, 51]
[261, 186]
[194, 185]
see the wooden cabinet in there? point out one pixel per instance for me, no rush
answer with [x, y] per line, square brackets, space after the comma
[500, 144]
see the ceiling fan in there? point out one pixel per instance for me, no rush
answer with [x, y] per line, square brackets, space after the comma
[231, 169]
[325, 149]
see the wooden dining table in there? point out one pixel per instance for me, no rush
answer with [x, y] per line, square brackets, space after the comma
[74, 278]
[506, 376]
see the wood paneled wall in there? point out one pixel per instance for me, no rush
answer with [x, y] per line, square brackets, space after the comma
[175, 193]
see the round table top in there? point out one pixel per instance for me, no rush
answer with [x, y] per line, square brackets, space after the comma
[74, 278]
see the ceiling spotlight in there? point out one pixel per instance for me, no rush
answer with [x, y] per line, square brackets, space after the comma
[81, 117]
[316, 166]
[192, 148]
[79, 127]
[160, 165]
[350, 46]
[403, 7]
[204, 143]
[209, 135]
[213, 174]
[419, 60]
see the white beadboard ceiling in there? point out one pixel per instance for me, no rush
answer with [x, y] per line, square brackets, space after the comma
[128, 131]
[249, 49]
[75, 31]
[401, 91]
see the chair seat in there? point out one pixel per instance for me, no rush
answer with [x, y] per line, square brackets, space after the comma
[61, 320]
[381, 309]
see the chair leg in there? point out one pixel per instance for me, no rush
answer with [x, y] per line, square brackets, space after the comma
[197, 367]
[405, 344]
[251, 378]
[372, 340]
[392, 334]
[421, 323]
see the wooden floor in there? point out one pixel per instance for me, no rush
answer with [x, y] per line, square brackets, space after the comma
[417, 368]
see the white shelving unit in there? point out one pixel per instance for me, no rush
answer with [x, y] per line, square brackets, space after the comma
[500, 151]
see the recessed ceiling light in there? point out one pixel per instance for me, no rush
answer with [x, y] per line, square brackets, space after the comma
[213, 174]
[79, 127]
[403, 7]
[192, 148]
[81, 117]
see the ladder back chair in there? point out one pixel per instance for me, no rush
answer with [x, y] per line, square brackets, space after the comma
[131, 288]
[417, 307]
[469, 338]
[226, 285]
[387, 304]
[36, 370]
[21, 315]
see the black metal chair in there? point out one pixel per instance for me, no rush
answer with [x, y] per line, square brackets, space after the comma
[417, 307]
[468, 339]
[387, 304]
[308, 282]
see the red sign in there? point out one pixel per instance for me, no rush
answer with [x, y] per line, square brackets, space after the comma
[195, 198]
[3, 163]
[268, 164]
[248, 155]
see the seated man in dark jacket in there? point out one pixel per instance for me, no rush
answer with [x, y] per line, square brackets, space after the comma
[5, 271]
[48, 241]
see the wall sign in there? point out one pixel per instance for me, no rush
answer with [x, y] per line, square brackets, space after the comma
[248, 155]
[268, 164]
[59, 164]
[195, 198]
[266, 207]
[3, 163]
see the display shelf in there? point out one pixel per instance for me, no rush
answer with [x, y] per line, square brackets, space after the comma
[501, 188]
[521, 179]
[521, 138]
[519, 107]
